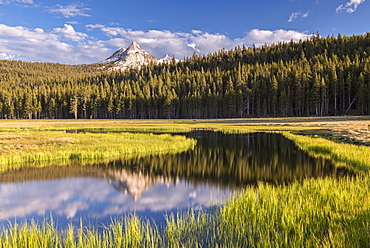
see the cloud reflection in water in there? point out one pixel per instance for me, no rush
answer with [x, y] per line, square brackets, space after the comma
[96, 199]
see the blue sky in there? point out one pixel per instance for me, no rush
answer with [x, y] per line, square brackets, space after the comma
[81, 32]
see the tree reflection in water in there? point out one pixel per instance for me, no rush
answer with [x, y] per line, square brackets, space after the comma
[225, 161]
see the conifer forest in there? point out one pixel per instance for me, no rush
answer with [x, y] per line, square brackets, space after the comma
[314, 77]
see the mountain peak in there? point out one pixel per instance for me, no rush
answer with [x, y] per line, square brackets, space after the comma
[134, 48]
[133, 57]
[134, 45]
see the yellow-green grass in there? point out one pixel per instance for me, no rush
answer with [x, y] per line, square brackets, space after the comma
[314, 213]
[356, 157]
[25, 147]
[325, 212]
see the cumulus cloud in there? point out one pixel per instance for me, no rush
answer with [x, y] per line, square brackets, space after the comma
[69, 33]
[350, 6]
[53, 46]
[161, 42]
[261, 37]
[66, 45]
[68, 11]
[296, 15]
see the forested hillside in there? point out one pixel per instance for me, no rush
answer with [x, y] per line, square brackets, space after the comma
[319, 76]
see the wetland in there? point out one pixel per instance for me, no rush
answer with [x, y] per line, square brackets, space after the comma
[321, 199]
[153, 186]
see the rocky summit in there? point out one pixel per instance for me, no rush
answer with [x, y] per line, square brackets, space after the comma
[134, 58]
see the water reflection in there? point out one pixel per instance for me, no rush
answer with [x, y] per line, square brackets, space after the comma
[153, 185]
[236, 160]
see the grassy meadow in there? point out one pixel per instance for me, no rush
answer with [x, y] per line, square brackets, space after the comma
[20, 147]
[324, 212]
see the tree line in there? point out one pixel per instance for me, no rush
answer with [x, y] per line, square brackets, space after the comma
[314, 77]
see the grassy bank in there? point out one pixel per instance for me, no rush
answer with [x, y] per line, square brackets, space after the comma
[356, 157]
[323, 212]
[40, 148]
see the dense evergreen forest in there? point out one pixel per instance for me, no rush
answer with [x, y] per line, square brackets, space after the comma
[315, 77]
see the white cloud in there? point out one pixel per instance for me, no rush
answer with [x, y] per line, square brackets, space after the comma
[305, 15]
[293, 16]
[350, 6]
[54, 46]
[261, 37]
[194, 46]
[66, 45]
[296, 15]
[72, 22]
[7, 56]
[161, 42]
[196, 32]
[69, 33]
[17, 1]
[68, 11]
[24, 33]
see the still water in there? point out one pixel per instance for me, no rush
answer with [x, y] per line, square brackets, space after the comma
[153, 186]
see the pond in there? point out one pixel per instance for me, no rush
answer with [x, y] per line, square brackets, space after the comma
[154, 186]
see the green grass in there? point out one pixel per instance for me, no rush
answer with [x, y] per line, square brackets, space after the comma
[20, 148]
[353, 156]
[315, 213]
[323, 212]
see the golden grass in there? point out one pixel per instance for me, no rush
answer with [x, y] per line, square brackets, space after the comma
[356, 127]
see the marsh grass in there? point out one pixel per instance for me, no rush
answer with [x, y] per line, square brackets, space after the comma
[313, 213]
[21, 148]
[126, 232]
[324, 212]
[316, 213]
[353, 156]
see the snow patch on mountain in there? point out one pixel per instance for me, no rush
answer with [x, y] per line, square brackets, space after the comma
[168, 60]
[133, 57]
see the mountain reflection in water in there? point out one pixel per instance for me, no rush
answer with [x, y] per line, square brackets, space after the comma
[154, 185]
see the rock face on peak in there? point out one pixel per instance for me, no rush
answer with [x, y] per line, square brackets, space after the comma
[134, 48]
[117, 55]
[134, 58]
